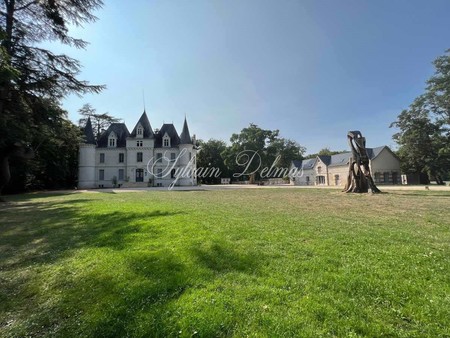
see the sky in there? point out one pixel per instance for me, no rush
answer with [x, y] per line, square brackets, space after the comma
[312, 69]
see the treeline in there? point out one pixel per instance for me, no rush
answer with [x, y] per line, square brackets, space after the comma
[250, 150]
[38, 143]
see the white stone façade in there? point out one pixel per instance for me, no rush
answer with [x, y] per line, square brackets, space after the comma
[142, 158]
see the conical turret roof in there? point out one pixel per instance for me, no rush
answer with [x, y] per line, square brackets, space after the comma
[89, 133]
[185, 137]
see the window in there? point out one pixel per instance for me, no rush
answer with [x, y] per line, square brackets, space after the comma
[172, 173]
[139, 143]
[336, 180]
[159, 157]
[159, 174]
[172, 156]
[377, 177]
[121, 174]
[386, 177]
[139, 157]
[190, 156]
[112, 140]
[102, 157]
[101, 175]
[121, 157]
[140, 131]
[139, 175]
[319, 170]
[166, 140]
[320, 179]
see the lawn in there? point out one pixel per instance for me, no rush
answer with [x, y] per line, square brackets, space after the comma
[253, 262]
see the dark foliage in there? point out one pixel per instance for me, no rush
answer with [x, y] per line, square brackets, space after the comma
[33, 80]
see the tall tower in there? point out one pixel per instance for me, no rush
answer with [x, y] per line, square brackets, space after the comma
[86, 159]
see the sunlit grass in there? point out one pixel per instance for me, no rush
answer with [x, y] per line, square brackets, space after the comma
[266, 262]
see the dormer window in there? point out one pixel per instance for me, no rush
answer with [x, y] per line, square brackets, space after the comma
[139, 131]
[112, 140]
[166, 140]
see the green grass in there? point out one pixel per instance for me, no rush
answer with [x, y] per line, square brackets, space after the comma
[254, 262]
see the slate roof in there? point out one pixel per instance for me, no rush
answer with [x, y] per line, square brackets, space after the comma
[304, 164]
[89, 133]
[148, 131]
[185, 137]
[326, 159]
[335, 160]
[121, 131]
[374, 152]
[340, 159]
[168, 128]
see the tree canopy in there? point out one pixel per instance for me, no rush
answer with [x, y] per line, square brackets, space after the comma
[210, 156]
[99, 122]
[255, 148]
[326, 152]
[33, 79]
[424, 128]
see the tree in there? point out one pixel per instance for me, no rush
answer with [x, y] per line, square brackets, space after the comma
[283, 151]
[99, 122]
[326, 152]
[210, 156]
[254, 151]
[30, 76]
[55, 160]
[424, 133]
[421, 142]
[247, 147]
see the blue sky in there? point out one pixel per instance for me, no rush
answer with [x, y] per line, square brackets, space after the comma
[312, 69]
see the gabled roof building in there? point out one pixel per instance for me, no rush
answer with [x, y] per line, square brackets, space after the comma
[142, 158]
[333, 170]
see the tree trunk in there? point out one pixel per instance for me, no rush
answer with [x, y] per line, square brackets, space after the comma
[17, 150]
[359, 180]
[5, 174]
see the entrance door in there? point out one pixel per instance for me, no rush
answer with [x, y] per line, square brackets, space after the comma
[139, 175]
[394, 178]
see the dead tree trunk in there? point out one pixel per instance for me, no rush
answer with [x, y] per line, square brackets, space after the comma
[359, 179]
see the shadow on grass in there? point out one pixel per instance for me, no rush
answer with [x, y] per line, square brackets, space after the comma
[221, 257]
[120, 292]
[38, 234]
[60, 227]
